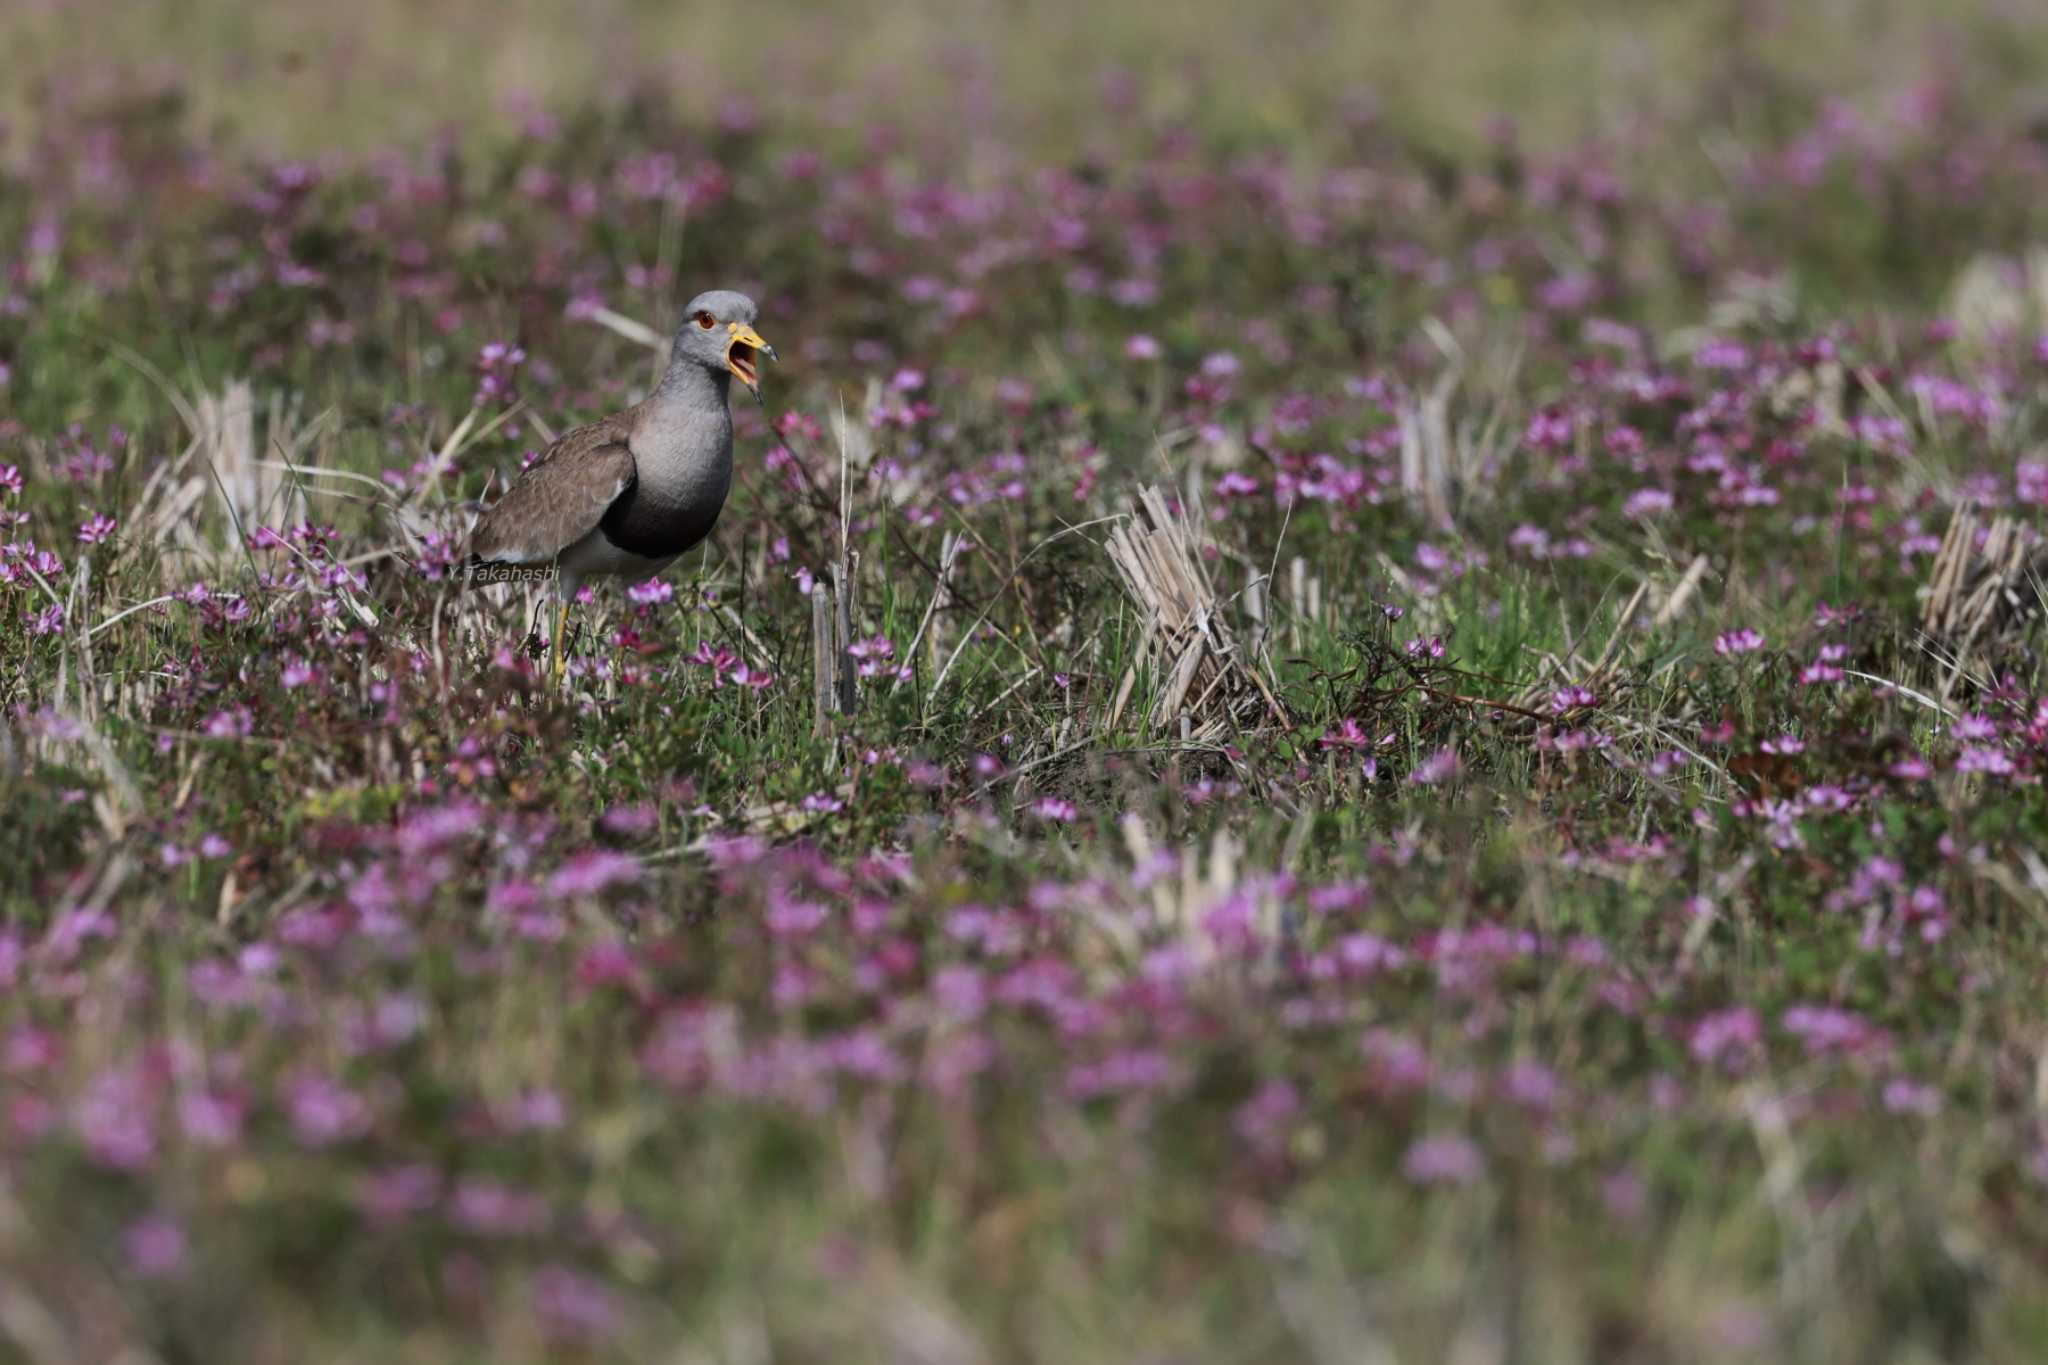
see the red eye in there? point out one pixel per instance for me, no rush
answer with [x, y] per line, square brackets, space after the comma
[705, 320]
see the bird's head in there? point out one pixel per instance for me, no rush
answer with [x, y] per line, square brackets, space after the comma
[717, 332]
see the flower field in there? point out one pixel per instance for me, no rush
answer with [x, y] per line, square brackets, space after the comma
[1436, 749]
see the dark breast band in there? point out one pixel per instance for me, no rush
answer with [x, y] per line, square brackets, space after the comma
[644, 527]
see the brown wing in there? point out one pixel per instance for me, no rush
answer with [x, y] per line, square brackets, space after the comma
[560, 499]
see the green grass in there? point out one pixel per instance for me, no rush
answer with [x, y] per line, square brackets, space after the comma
[362, 996]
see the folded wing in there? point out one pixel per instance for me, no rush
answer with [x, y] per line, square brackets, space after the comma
[560, 499]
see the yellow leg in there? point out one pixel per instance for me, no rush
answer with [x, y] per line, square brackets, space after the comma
[561, 625]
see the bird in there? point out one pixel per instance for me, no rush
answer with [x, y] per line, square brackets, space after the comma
[628, 494]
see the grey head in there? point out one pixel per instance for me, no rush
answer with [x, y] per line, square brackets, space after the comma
[717, 332]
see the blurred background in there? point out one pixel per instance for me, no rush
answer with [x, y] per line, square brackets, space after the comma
[296, 77]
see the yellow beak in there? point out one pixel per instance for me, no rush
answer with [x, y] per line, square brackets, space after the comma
[743, 350]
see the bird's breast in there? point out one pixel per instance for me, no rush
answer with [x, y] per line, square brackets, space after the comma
[679, 488]
[659, 528]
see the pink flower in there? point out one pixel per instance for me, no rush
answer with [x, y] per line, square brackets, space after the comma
[233, 723]
[1446, 1160]
[396, 1193]
[1133, 1070]
[1819, 673]
[630, 820]
[1571, 698]
[1438, 768]
[99, 528]
[324, 1112]
[790, 918]
[1825, 1029]
[1973, 727]
[1744, 641]
[437, 827]
[1983, 759]
[587, 874]
[1262, 1121]
[116, 1120]
[211, 1118]
[1347, 735]
[573, 1306]
[1532, 1085]
[1903, 1096]
[873, 655]
[960, 991]
[155, 1248]
[1721, 354]
[1727, 1038]
[489, 1208]
[1645, 503]
[497, 381]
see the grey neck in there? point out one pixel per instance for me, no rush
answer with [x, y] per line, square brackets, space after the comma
[682, 443]
[689, 385]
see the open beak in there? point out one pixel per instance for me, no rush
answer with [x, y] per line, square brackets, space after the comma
[743, 352]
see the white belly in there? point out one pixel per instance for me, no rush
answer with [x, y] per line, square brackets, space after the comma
[596, 557]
